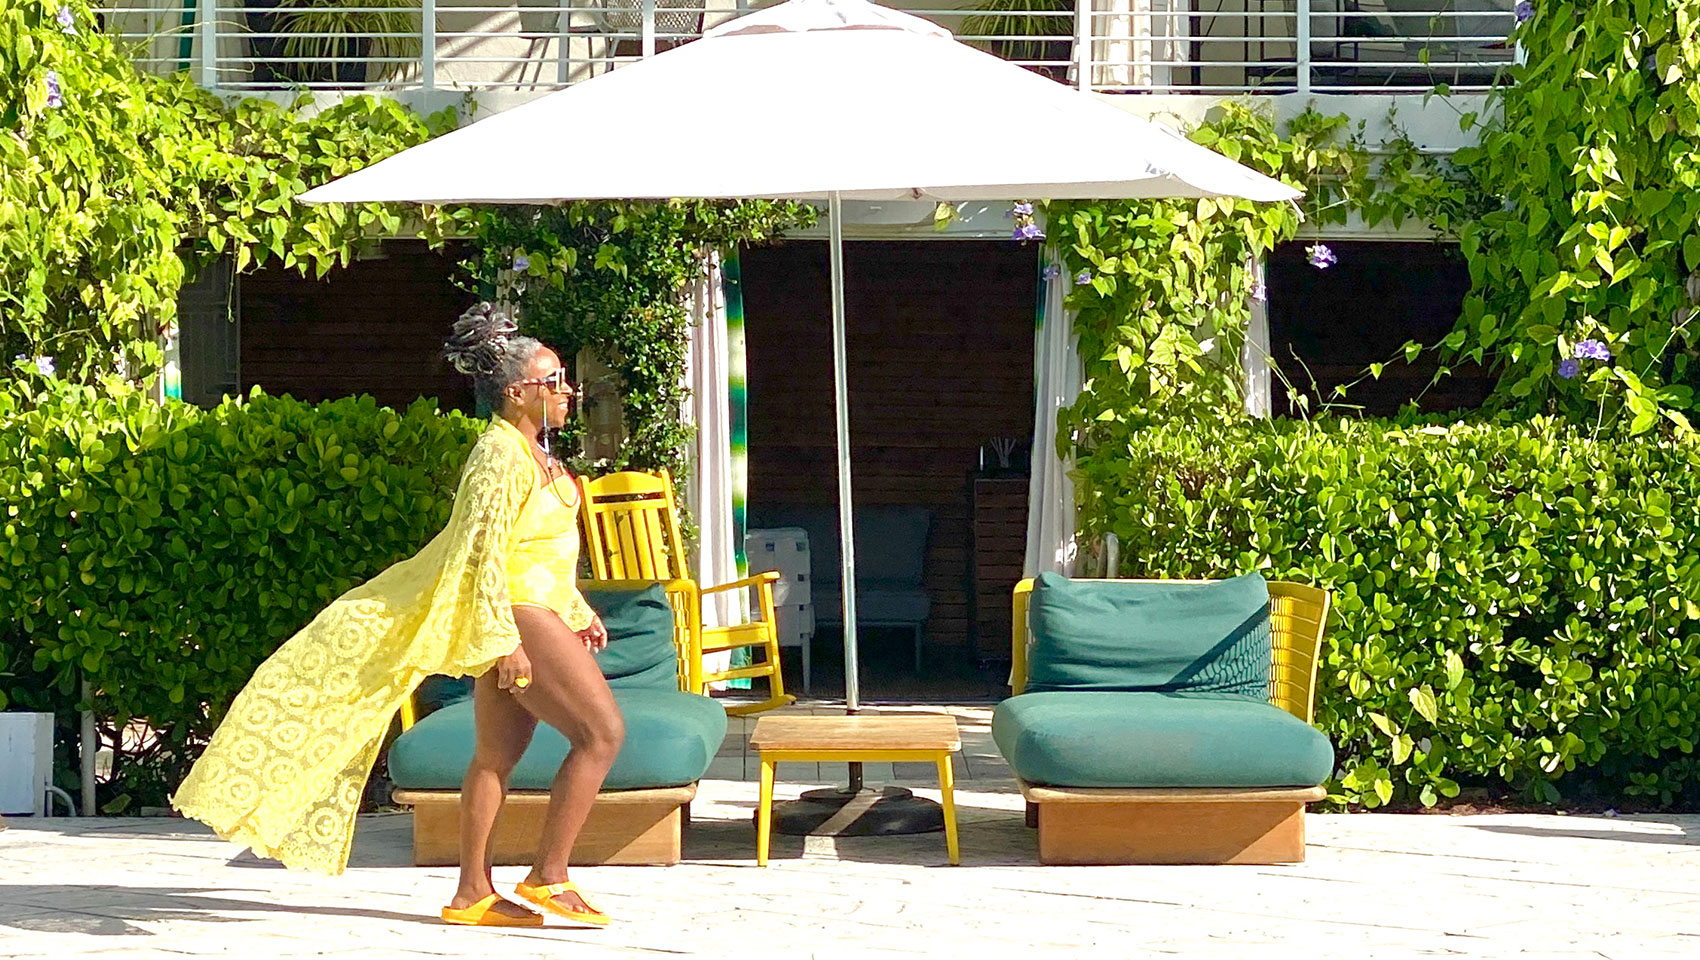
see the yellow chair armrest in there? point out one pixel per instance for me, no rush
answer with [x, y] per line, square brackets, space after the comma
[1018, 636]
[716, 639]
[759, 580]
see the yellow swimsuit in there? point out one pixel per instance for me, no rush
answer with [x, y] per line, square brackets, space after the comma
[543, 564]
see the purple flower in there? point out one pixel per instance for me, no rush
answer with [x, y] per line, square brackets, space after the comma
[1021, 210]
[1320, 256]
[1260, 291]
[54, 99]
[1028, 231]
[67, 21]
[1568, 369]
[45, 367]
[1051, 271]
[1592, 350]
[1083, 278]
[522, 263]
[1525, 10]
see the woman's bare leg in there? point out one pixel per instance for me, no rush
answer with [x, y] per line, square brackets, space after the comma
[503, 729]
[569, 693]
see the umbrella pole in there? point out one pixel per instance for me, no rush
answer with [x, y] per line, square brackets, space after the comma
[841, 408]
[855, 810]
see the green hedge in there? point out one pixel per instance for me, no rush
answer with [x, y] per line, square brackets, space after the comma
[1515, 606]
[162, 552]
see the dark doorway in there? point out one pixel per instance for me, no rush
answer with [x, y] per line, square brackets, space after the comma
[940, 341]
[1327, 326]
[374, 327]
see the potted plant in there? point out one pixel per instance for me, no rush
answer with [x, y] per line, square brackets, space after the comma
[1042, 30]
[331, 41]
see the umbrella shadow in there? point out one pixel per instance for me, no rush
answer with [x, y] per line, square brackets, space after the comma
[987, 838]
[1688, 831]
[122, 907]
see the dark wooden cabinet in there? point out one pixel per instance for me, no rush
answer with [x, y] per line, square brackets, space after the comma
[997, 509]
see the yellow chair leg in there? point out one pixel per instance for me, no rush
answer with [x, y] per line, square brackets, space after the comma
[776, 682]
[764, 813]
[777, 697]
[947, 792]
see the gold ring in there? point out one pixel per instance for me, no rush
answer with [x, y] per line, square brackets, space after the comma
[522, 682]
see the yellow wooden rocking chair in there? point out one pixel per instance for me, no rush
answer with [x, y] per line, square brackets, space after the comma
[631, 528]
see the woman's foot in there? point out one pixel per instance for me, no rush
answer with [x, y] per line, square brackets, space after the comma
[567, 899]
[466, 897]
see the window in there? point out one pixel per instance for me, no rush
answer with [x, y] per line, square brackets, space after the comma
[1327, 326]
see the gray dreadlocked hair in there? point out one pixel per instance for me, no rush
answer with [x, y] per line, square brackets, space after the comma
[485, 346]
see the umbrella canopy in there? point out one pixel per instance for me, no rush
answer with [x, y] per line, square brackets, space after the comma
[828, 99]
[821, 96]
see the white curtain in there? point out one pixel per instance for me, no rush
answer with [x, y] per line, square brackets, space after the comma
[1134, 46]
[1254, 355]
[1056, 381]
[708, 492]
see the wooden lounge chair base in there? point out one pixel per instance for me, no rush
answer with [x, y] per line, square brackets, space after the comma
[1079, 825]
[625, 827]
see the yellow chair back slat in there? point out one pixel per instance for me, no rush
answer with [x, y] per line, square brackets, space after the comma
[632, 527]
[1298, 616]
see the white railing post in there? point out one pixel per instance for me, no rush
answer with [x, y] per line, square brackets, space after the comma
[1302, 41]
[648, 28]
[427, 45]
[563, 44]
[1083, 44]
[207, 65]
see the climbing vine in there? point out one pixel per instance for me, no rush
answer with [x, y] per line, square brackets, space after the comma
[115, 185]
[610, 277]
[1162, 290]
[1587, 275]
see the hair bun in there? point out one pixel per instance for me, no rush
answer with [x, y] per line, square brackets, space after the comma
[480, 340]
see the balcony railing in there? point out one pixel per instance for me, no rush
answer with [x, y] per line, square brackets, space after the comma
[1111, 46]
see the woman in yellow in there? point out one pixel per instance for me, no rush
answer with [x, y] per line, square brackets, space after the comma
[494, 596]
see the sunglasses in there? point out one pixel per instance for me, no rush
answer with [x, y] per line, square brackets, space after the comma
[555, 382]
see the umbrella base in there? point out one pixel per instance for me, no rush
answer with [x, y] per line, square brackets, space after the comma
[869, 812]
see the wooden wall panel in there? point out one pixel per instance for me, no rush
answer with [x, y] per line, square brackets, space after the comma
[376, 326]
[941, 360]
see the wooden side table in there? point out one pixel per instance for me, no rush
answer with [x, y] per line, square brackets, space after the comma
[857, 738]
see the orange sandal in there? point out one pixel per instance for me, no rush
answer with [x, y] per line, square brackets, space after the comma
[483, 914]
[544, 897]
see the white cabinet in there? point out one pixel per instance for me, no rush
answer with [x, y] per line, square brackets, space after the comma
[26, 762]
[785, 550]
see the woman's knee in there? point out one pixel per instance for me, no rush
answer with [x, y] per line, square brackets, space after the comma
[604, 733]
[500, 761]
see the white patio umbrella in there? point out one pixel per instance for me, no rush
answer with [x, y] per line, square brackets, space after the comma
[818, 100]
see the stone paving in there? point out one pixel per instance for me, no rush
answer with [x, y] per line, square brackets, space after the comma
[1374, 886]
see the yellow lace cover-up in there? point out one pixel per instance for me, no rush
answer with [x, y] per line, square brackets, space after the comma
[284, 772]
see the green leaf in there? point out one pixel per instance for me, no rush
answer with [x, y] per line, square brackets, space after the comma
[1383, 724]
[1422, 698]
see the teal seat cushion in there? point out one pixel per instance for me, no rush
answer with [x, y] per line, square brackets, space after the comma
[670, 739]
[1163, 636]
[1133, 739]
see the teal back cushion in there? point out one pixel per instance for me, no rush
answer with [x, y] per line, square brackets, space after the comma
[640, 653]
[1165, 637]
[640, 649]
